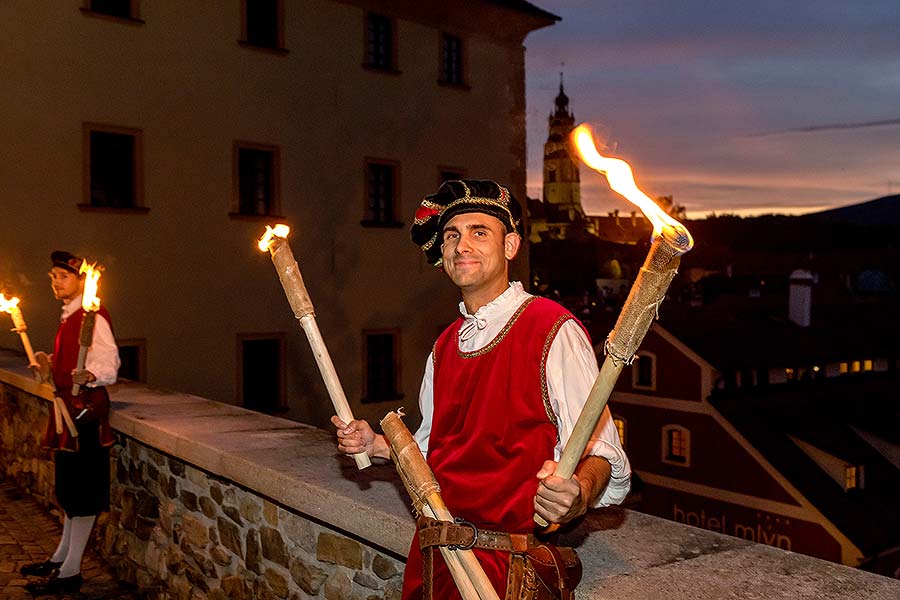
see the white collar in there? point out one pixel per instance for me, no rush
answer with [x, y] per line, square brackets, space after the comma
[498, 310]
[69, 309]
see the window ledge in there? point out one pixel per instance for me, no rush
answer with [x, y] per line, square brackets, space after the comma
[278, 51]
[382, 224]
[99, 15]
[246, 217]
[137, 210]
[383, 70]
[454, 86]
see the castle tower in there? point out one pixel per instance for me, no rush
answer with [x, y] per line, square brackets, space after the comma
[562, 185]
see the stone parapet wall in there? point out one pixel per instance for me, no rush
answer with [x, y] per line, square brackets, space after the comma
[213, 501]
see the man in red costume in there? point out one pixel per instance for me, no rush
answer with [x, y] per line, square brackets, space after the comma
[81, 463]
[502, 390]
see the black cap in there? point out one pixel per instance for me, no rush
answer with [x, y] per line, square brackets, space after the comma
[66, 260]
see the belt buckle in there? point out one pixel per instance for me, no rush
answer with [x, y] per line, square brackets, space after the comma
[470, 545]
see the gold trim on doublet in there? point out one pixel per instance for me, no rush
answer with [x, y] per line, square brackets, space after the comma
[545, 393]
[499, 338]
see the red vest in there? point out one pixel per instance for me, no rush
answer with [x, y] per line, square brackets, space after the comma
[65, 359]
[492, 429]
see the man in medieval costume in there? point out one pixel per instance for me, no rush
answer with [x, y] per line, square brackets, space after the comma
[502, 390]
[81, 462]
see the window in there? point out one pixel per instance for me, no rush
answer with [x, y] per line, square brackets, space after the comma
[261, 372]
[112, 167]
[120, 9]
[379, 42]
[619, 422]
[133, 354]
[643, 371]
[676, 444]
[256, 172]
[853, 477]
[451, 60]
[381, 360]
[450, 174]
[381, 194]
[262, 22]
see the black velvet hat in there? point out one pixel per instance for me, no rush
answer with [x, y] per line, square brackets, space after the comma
[66, 260]
[455, 198]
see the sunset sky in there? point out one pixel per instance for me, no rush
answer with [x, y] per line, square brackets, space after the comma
[734, 107]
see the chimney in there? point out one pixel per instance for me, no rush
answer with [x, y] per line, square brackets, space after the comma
[800, 297]
[633, 219]
[616, 213]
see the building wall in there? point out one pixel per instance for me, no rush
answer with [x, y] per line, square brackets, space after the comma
[185, 275]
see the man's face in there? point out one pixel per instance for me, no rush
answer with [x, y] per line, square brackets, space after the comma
[66, 285]
[476, 250]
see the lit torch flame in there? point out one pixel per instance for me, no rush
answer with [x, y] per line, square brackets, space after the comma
[621, 180]
[89, 300]
[8, 304]
[281, 230]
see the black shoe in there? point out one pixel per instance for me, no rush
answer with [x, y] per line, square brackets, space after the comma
[40, 569]
[54, 584]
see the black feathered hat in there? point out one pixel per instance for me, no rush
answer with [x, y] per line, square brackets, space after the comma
[456, 197]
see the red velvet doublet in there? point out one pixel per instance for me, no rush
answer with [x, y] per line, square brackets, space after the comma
[492, 430]
[65, 359]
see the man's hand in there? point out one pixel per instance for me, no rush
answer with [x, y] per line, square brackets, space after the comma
[82, 377]
[559, 500]
[357, 437]
[43, 365]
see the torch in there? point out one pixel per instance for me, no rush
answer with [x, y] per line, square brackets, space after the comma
[275, 242]
[467, 572]
[91, 304]
[11, 306]
[671, 239]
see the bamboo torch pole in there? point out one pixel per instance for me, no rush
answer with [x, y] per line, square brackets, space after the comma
[467, 572]
[275, 242]
[671, 241]
[91, 304]
[11, 305]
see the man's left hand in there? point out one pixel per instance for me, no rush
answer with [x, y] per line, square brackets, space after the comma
[82, 377]
[558, 500]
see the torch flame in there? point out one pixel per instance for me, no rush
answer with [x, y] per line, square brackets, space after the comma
[90, 301]
[8, 304]
[281, 230]
[621, 180]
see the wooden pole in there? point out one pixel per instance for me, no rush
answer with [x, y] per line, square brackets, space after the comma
[85, 339]
[641, 307]
[297, 296]
[19, 327]
[467, 572]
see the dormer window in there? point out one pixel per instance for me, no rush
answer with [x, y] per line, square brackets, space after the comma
[853, 477]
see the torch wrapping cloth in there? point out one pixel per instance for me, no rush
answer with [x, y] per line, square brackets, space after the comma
[21, 328]
[642, 305]
[414, 471]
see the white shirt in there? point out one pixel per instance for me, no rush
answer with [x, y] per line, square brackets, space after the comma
[571, 372]
[103, 356]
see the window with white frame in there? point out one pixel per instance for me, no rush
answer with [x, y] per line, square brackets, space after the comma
[676, 445]
[643, 371]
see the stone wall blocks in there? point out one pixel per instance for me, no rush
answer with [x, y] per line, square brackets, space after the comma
[278, 582]
[232, 513]
[189, 500]
[308, 576]
[198, 478]
[338, 587]
[339, 550]
[230, 536]
[237, 588]
[196, 577]
[208, 507]
[176, 467]
[215, 492]
[221, 556]
[251, 508]
[297, 530]
[194, 531]
[367, 580]
[253, 559]
[273, 546]
[385, 567]
[270, 513]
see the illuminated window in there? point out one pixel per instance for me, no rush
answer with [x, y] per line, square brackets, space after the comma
[113, 168]
[867, 365]
[844, 368]
[619, 422]
[789, 374]
[643, 371]
[256, 185]
[853, 477]
[855, 366]
[676, 445]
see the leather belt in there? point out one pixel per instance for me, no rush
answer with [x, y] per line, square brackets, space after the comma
[462, 535]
